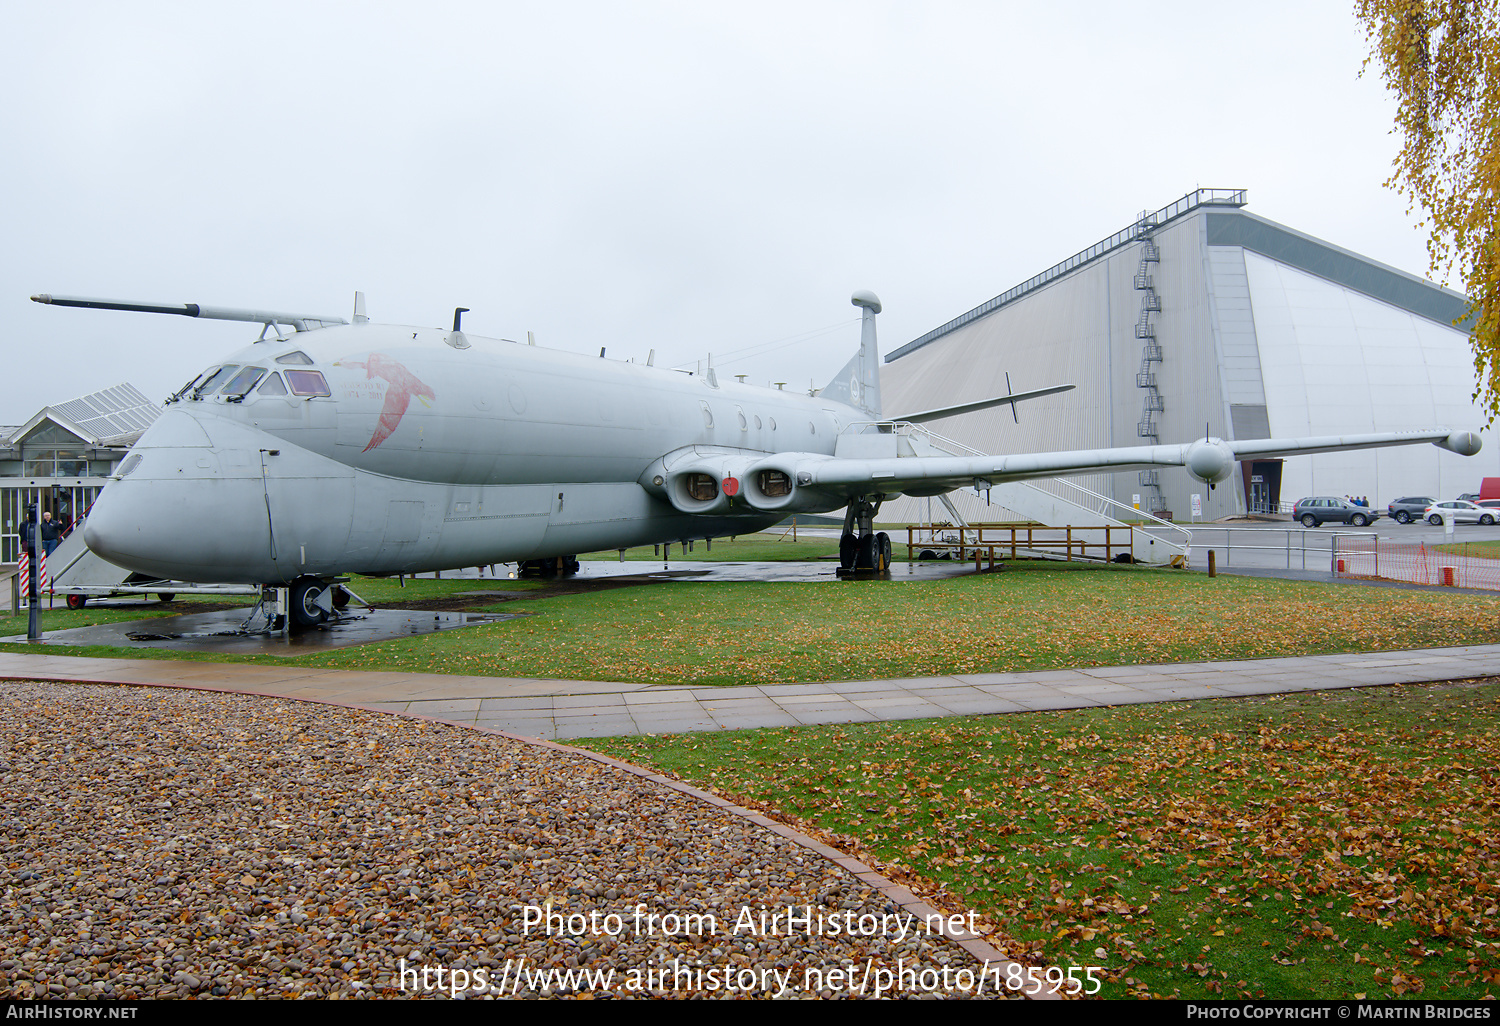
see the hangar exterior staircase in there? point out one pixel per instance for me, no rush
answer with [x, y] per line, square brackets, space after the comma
[1161, 543]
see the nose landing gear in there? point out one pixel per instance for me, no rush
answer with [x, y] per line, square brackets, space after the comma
[310, 603]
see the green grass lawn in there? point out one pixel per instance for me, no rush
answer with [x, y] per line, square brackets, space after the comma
[1478, 549]
[1032, 616]
[1327, 845]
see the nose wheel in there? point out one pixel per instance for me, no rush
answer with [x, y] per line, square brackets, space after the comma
[311, 602]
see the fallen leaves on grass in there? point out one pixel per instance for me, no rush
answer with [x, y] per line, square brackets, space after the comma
[1321, 846]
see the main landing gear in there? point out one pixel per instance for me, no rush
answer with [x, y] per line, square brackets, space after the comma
[861, 549]
[554, 566]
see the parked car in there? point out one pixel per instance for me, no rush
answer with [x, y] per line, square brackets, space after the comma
[1317, 510]
[1411, 508]
[1460, 512]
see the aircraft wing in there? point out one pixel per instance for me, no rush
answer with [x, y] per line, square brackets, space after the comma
[816, 479]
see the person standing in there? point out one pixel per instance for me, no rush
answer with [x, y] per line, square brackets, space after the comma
[51, 532]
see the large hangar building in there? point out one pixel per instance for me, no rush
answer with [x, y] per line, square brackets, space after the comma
[1203, 317]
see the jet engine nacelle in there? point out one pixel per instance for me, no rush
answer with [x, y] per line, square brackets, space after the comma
[785, 484]
[711, 484]
[1210, 460]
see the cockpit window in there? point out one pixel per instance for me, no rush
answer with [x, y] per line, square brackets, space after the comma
[272, 385]
[305, 382]
[185, 389]
[215, 379]
[295, 356]
[243, 382]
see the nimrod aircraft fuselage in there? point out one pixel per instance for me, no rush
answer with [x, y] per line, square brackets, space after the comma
[379, 449]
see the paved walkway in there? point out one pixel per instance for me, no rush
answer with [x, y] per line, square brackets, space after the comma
[561, 709]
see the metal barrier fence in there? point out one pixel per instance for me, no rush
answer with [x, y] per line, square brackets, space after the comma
[1367, 556]
[1290, 548]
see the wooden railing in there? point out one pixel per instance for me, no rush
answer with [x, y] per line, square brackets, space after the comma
[1101, 544]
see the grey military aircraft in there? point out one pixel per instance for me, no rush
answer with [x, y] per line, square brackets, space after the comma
[344, 447]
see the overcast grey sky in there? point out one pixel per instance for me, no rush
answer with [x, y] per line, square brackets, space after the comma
[688, 177]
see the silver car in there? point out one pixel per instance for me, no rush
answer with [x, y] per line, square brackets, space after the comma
[1460, 512]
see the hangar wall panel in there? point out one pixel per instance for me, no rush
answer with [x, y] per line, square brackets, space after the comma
[1252, 347]
[1337, 361]
[1060, 334]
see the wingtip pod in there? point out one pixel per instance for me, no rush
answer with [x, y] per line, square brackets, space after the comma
[1210, 460]
[1465, 443]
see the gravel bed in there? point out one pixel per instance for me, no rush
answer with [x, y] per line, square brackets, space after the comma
[158, 843]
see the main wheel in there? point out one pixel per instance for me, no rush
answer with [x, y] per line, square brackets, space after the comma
[883, 542]
[848, 550]
[869, 552]
[1308, 520]
[166, 596]
[306, 593]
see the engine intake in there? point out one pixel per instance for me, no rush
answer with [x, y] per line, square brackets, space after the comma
[709, 485]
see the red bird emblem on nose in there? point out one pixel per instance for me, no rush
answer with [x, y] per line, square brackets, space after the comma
[402, 386]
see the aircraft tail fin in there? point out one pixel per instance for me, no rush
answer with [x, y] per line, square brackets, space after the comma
[858, 384]
[1010, 398]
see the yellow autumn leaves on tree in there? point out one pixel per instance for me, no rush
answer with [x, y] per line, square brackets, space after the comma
[1441, 60]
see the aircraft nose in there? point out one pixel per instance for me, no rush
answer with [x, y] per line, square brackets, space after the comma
[124, 528]
[176, 466]
[103, 530]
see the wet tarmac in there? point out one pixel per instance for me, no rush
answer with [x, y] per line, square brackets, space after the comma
[219, 632]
